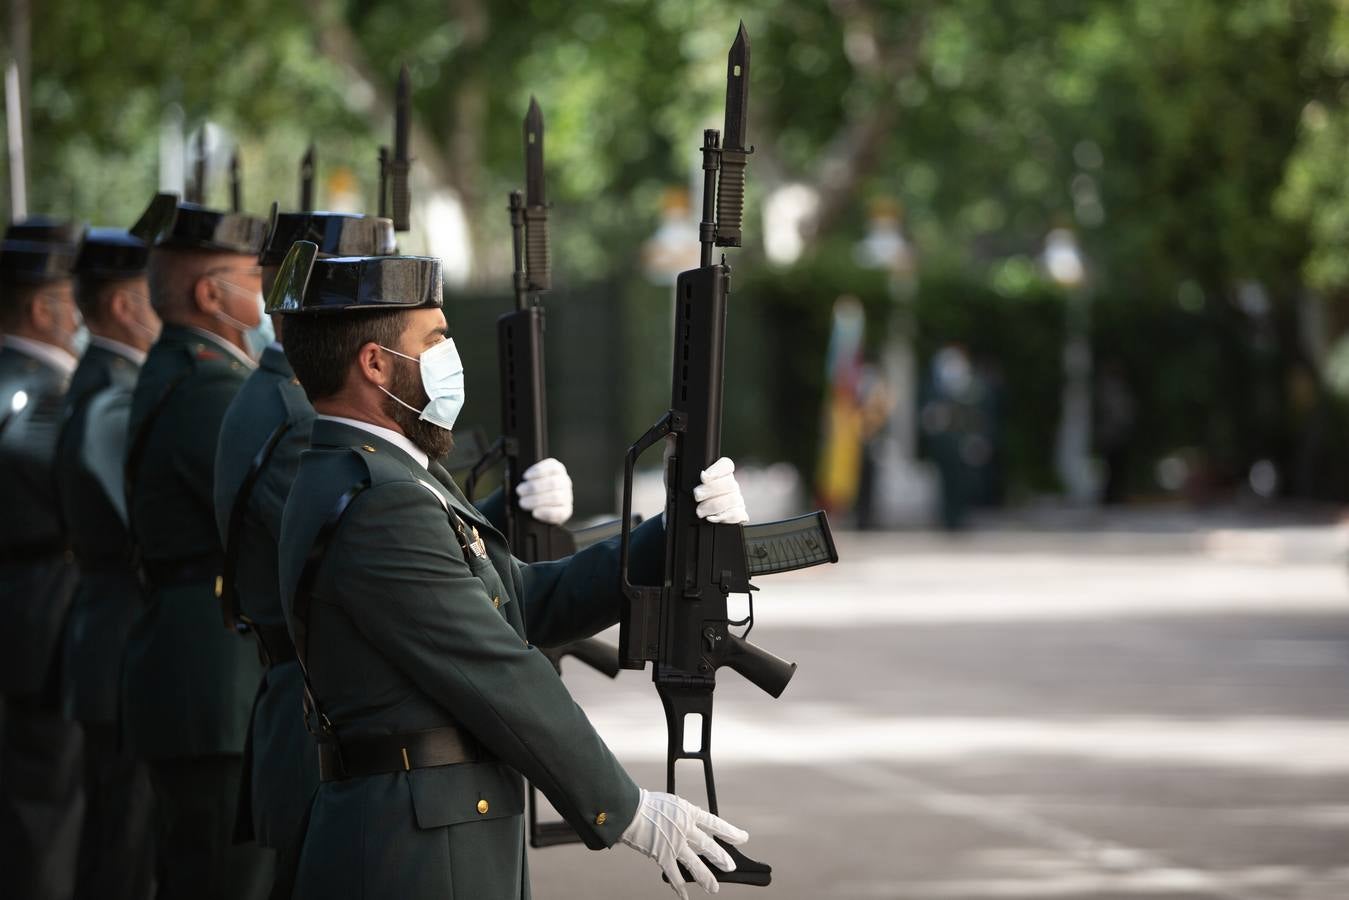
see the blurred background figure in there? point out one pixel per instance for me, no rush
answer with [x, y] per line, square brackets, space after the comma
[957, 432]
[840, 469]
[1116, 417]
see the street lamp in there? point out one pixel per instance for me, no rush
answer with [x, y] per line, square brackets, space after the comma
[1072, 445]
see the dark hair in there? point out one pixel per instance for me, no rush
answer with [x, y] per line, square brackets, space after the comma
[91, 290]
[15, 300]
[321, 347]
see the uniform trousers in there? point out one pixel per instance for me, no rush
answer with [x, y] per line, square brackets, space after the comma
[117, 859]
[41, 800]
[197, 857]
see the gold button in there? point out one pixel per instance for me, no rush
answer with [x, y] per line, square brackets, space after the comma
[219, 586]
[601, 818]
[496, 601]
[482, 807]
[367, 448]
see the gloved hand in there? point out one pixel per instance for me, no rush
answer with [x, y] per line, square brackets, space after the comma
[545, 491]
[719, 498]
[671, 830]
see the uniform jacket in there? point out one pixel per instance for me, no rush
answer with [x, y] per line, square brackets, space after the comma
[89, 455]
[406, 632]
[188, 683]
[284, 760]
[284, 773]
[37, 577]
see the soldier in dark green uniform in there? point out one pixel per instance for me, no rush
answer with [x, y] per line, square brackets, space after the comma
[265, 429]
[116, 850]
[413, 622]
[40, 795]
[188, 682]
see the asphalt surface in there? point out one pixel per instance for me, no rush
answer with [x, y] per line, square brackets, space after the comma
[1095, 713]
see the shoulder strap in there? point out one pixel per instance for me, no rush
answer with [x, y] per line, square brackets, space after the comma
[229, 594]
[300, 606]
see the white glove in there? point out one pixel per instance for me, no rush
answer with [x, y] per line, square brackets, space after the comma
[545, 491]
[671, 830]
[719, 498]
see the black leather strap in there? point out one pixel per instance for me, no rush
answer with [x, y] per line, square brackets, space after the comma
[229, 593]
[300, 607]
[446, 746]
[33, 551]
[274, 644]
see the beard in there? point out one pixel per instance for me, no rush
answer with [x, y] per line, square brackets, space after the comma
[432, 440]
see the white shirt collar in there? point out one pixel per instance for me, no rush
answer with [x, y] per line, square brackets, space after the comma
[398, 439]
[59, 359]
[126, 351]
[224, 345]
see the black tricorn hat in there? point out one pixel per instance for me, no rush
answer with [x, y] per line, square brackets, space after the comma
[307, 285]
[35, 262]
[335, 234]
[187, 226]
[46, 230]
[111, 253]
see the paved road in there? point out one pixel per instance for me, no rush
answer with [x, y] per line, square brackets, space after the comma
[1097, 714]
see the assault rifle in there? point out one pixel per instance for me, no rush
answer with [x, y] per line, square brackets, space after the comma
[682, 626]
[524, 419]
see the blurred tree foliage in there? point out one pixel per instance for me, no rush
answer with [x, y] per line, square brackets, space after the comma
[1195, 146]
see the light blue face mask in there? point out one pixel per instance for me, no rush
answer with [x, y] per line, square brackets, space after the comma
[256, 337]
[443, 379]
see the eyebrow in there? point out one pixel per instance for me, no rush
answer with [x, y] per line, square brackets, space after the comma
[443, 331]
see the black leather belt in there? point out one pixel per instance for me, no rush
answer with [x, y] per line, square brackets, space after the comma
[170, 572]
[274, 644]
[354, 758]
[32, 551]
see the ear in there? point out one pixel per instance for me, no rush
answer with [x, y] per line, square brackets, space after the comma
[374, 364]
[206, 295]
[41, 314]
[119, 307]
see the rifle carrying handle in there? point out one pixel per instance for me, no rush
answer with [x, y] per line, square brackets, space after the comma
[747, 871]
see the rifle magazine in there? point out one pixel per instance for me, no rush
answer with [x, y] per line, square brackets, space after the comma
[789, 544]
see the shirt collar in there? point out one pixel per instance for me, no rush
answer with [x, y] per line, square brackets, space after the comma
[396, 438]
[224, 345]
[126, 351]
[59, 359]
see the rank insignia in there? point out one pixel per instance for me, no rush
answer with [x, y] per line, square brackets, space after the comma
[477, 545]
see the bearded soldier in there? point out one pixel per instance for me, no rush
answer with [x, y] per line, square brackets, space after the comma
[116, 859]
[188, 683]
[413, 623]
[40, 796]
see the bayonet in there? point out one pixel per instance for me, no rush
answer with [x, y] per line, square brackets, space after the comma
[402, 124]
[383, 182]
[236, 185]
[734, 152]
[197, 193]
[307, 179]
[538, 264]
